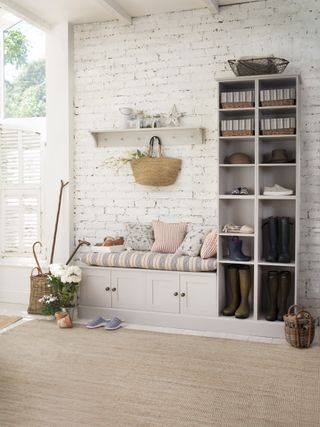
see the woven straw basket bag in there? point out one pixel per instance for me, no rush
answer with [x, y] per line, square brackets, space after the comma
[299, 327]
[38, 288]
[156, 171]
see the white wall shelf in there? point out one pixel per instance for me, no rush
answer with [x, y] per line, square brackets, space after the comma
[141, 136]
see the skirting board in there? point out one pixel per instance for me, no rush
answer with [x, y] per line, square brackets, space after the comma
[228, 325]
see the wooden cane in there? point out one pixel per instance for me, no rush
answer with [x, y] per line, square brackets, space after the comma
[81, 242]
[57, 220]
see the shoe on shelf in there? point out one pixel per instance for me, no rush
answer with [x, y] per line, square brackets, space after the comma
[114, 323]
[97, 322]
[277, 190]
[241, 229]
[242, 191]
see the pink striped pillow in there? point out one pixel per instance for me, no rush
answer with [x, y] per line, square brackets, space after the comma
[209, 247]
[168, 237]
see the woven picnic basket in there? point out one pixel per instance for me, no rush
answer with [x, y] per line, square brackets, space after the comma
[299, 327]
[38, 288]
[157, 171]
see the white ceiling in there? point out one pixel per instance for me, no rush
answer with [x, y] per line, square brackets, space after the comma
[47, 13]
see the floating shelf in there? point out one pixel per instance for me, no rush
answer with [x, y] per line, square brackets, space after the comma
[141, 136]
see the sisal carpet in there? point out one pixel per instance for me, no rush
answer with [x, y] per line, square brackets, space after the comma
[126, 378]
[8, 320]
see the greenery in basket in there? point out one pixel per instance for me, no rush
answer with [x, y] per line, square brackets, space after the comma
[118, 162]
[50, 305]
[64, 281]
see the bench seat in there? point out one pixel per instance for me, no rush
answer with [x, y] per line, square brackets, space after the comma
[151, 261]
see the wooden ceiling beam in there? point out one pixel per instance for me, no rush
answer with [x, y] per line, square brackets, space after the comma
[114, 7]
[25, 14]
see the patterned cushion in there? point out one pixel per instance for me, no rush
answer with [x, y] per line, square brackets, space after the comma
[150, 260]
[168, 237]
[209, 247]
[192, 243]
[139, 237]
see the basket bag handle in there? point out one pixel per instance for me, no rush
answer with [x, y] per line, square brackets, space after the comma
[151, 146]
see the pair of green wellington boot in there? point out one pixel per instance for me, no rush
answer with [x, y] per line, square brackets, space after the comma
[278, 286]
[238, 281]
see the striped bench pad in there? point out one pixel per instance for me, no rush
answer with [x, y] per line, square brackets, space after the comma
[150, 260]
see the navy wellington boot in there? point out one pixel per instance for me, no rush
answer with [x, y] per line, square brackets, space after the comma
[235, 250]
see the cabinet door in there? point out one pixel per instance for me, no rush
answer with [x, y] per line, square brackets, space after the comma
[129, 290]
[95, 288]
[198, 295]
[163, 292]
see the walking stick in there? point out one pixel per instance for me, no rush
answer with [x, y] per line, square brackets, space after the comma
[81, 242]
[57, 220]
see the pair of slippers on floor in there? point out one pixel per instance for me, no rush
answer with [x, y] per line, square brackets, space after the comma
[109, 324]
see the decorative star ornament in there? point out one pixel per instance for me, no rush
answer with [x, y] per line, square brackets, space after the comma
[174, 117]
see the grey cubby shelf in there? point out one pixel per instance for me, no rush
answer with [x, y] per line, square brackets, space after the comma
[132, 137]
[252, 209]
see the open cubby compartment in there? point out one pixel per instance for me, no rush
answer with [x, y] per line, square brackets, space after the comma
[277, 83]
[285, 176]
[247, 246]
[231, 178]
[232, 146]
[236, 211]
[268, 144]
[236, 86]
[224, 296]
[282, 113]
[276, 208]
[263, 294]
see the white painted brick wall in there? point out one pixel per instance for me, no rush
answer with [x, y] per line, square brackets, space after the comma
[173, 58]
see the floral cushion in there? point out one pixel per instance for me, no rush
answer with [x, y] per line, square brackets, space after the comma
[192, 243]
[139, 237]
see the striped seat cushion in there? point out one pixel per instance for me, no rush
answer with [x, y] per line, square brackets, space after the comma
[150, 260]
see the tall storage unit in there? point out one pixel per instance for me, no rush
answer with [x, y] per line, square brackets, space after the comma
[257, 115]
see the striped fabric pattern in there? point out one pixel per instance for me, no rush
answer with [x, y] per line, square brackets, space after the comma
[168, 237]
[209, 247]
[150, 260]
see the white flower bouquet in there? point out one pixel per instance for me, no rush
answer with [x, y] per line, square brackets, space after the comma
[65, 281]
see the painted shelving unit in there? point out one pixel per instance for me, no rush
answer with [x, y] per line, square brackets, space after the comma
[133, 137]
[255, 207]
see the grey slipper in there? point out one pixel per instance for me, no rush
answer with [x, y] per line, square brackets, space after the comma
[114, 323]
[97, 322]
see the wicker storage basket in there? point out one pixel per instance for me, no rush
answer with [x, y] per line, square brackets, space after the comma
[285, 131]
[38, 288]
[245, 132]
[237, 104]
[299, 327]
[155, 171]
[279, 102]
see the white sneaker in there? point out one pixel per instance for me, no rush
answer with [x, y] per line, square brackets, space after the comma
[277, 190]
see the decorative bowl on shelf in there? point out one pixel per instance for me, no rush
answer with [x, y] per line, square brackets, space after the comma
[258, 66]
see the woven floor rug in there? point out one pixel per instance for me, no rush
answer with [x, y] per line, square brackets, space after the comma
[8, 320]
[80, 377]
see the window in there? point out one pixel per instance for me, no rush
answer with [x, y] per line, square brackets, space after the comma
[22, 107]
[19, 190]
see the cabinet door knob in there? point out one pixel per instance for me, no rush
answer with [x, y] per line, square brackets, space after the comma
[183, 294]
[114, 289]
[176, 294]
[107, 289]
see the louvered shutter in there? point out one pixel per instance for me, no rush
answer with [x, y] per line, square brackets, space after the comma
[19, 190]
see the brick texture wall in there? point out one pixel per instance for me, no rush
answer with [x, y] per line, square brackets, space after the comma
[173, 58]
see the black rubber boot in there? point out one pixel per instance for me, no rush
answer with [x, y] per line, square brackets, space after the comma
[271, 235]
[243, 311]
[233, 290]
[284, 289]
[235, 250]
[284, 240]
[272, 287]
